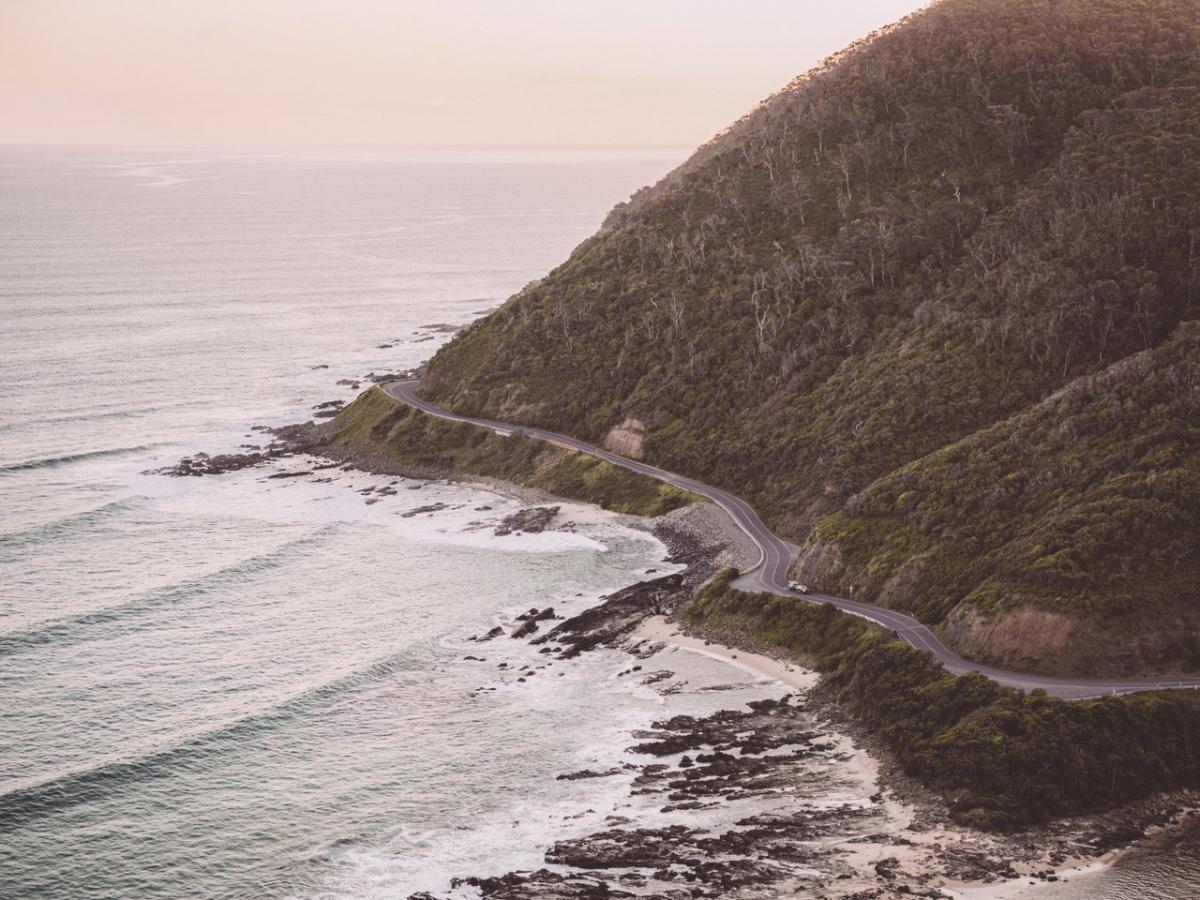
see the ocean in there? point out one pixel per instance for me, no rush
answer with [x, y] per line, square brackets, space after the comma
[245, 686]
[240, 686]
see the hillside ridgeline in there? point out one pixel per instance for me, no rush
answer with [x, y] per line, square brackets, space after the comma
[931, 309]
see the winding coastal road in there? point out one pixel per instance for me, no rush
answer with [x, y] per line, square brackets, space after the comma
[770, 573]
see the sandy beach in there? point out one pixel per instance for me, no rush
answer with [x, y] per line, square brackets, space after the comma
[916, 848]
[658, 629]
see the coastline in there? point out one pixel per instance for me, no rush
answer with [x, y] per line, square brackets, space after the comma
[915, 850]
[911, 846]
[921, 846]
[656, 629]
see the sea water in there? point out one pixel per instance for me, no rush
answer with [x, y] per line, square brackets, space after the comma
[246, 686]
[250, 686]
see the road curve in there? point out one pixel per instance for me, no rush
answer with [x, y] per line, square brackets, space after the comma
[770, 573]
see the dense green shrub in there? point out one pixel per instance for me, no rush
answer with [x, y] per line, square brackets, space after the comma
[1004, 759]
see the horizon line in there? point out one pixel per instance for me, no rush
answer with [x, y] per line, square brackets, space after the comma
[350, 145]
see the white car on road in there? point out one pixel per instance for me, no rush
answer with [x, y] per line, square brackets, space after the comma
[799, 588]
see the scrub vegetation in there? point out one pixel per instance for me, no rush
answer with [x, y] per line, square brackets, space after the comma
[931, 309]
[387, 433]
[1004, 759]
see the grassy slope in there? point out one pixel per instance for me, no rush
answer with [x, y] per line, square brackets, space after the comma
[884, 262]
[393, 434]
[1004, 759]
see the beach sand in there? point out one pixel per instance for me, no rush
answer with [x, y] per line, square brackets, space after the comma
[659, 630]
[919, 850]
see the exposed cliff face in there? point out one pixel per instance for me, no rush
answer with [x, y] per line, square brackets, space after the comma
[898, 272]
[627, 439]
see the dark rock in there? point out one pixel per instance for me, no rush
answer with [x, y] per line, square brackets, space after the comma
[431, 508]
[642, 847]
[530, 521]
[203, 464]
[536, 615]
[887, 868]
[526, 629]
[328, 409]
[656, 677]
[1118, 836]
[612, 621]
[544, 885]
[289, 440]
[587, 773]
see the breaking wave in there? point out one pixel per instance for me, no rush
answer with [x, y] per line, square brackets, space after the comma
[51, 461]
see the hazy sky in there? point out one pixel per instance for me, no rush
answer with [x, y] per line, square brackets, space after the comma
[406, 72]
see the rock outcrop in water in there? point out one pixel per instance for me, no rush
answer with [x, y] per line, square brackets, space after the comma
[289, 440]
[768, 758]
[615, 618]
[763, 802]
[528, 521]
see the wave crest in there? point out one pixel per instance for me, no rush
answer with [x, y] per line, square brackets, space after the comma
[74, 627]
[48, 531]
[71, 788]
[51, 461]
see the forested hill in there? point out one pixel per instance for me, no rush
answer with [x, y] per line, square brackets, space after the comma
[927, 309]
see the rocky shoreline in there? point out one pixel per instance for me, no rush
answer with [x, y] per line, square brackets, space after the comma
[933, 852]
[782, 797]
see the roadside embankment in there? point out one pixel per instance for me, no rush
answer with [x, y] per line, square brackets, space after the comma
[378, 432]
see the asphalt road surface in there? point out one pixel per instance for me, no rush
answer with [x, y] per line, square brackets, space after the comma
[776, 557]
